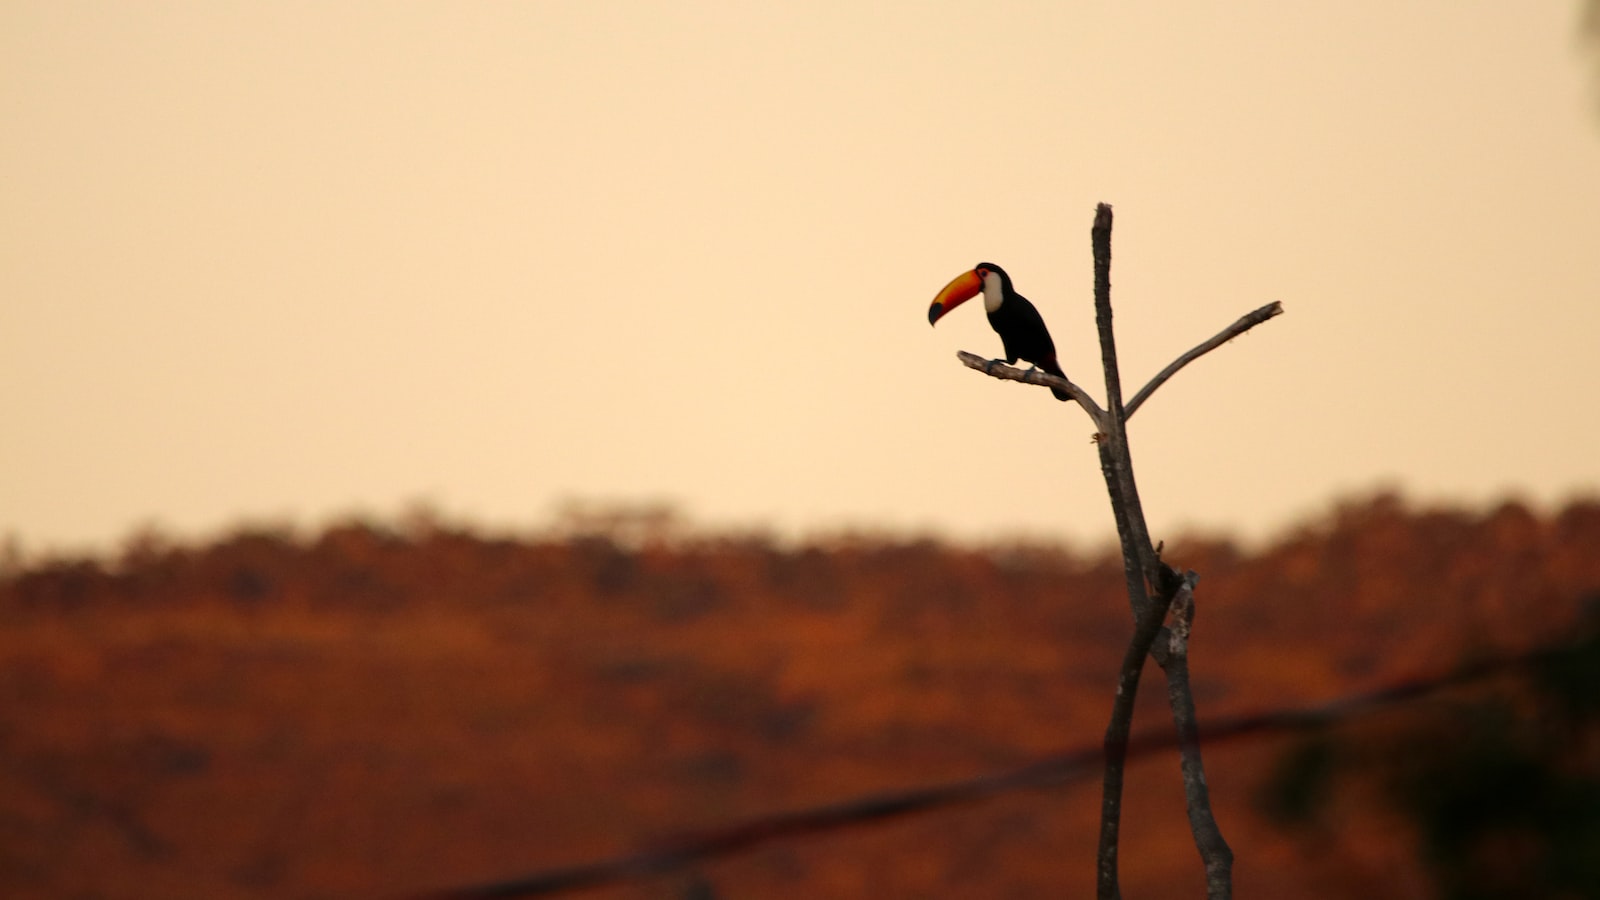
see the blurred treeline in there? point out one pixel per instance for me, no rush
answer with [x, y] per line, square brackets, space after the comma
[380, 708]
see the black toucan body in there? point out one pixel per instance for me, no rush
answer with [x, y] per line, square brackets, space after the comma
[1018, 323]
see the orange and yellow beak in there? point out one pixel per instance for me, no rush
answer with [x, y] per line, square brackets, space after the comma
[965, 286]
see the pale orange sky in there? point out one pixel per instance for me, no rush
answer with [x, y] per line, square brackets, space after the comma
[291, 261]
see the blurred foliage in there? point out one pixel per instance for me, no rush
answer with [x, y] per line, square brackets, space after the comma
[375, 707]
[1500, 781]
[1589, 33]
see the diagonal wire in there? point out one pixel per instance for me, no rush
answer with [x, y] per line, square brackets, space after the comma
[1052, 770]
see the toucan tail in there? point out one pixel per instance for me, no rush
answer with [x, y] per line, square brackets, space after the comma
[1050, 366]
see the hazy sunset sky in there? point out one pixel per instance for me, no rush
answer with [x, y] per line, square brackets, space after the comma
[290, 261]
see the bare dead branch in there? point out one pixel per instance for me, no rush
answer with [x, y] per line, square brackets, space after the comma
[1152, 587]
[1116, 462]
[1116, 745]
[1155, 589]
[997, 369]
[1245, 322]
[1214, 851]
[1116, 465]
[1100, 237]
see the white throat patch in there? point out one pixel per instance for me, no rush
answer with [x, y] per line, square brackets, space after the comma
[992, 297]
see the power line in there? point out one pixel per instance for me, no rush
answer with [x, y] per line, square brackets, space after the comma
[1055, 769]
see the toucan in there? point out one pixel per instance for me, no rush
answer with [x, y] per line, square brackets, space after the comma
[1018, 323]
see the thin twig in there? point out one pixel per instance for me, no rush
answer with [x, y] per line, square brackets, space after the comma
[1245, 323]
[998, 369]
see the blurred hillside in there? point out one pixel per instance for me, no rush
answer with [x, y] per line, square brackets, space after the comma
[375, 710]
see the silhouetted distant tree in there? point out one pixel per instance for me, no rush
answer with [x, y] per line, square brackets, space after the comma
[1501, 785]
[1589, 32]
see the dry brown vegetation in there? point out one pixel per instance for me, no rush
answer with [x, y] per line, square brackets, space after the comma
[374, 711]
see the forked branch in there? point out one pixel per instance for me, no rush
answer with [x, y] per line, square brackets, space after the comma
[1155, 590]
[997, 369]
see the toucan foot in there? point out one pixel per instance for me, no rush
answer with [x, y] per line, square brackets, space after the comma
[988, 368]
